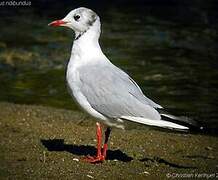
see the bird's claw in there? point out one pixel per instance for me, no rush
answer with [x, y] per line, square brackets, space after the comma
[94, 159]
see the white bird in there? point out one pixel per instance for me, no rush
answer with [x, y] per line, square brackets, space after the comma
[102, 89]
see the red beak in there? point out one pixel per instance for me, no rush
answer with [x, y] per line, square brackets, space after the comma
[57, 23]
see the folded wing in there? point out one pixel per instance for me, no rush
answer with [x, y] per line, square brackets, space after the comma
[111, 92]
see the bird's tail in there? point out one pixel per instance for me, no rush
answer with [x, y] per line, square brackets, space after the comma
[191, 124]
[168, 121]
[156, 123]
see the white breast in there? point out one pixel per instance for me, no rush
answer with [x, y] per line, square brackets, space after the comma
[74, 84]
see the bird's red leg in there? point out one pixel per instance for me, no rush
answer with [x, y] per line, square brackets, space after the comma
[99, 139]
[99, 157]
[107, 134]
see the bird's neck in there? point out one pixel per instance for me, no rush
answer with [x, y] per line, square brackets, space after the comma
[87, 44]
[86, 48]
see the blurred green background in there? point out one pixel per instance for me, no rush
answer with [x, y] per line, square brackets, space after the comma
[169, 47]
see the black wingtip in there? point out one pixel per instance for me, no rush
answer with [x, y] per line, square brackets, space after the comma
[192, 125]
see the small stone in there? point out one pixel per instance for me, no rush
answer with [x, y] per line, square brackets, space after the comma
[211, 157]
[75, 159]
[145, 172]
[90, 176]
[209, 148]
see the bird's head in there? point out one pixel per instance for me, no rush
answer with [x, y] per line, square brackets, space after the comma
[80, 20]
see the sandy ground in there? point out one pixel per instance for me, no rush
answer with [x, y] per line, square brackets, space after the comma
[47, 143]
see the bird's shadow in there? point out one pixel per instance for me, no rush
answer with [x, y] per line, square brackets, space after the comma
[82, 150]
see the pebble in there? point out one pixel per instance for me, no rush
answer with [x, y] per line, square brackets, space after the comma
[209, 148]
[90, 176]
[76, 159]
[145, 172]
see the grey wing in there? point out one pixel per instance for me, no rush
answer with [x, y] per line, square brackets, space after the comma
[114, 94]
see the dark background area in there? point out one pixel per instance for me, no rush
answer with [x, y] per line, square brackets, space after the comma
[185, 11]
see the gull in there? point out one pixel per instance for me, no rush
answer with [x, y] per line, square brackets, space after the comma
[105, 91]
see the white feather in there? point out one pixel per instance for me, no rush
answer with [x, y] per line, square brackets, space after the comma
[158, 123]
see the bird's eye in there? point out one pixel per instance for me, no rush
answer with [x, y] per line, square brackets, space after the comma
[76, 17]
